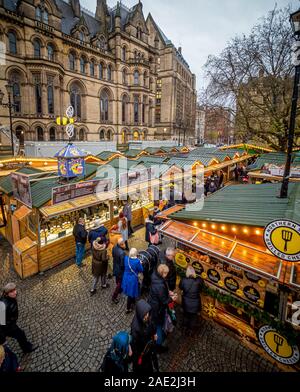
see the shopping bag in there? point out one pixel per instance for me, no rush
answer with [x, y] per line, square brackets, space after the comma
[154, 238]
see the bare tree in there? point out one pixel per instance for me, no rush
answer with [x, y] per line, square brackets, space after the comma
[253, 76]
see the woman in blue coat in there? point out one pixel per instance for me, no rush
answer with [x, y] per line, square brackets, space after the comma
[130, 282]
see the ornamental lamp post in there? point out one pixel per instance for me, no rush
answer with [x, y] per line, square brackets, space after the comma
[9, 105]
[295, 22]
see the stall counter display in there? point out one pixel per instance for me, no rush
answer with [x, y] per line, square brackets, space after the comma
[57, 228]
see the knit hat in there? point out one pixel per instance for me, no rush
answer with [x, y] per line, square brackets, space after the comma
[9, 287]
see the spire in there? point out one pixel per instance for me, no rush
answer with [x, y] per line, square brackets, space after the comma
[101, 10]
[118, 10]
[75, 4]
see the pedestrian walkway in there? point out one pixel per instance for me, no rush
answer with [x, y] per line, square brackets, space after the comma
[74, 329]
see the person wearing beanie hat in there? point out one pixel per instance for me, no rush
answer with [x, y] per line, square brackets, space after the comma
[10, 327]
[99, 231]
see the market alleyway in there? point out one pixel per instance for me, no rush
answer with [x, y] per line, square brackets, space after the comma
[74, 330]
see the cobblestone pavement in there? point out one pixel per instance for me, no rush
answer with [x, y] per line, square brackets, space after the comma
[74, 330]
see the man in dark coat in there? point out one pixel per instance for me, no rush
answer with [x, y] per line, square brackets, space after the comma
[10, 327]
[99, 231]
[169, 261]
[143, 345]
[118, 254]
[159, 298]
[191, 287]
[80, 235]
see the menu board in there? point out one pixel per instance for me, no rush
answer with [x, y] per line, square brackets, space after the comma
[21, 188]
[85, 188]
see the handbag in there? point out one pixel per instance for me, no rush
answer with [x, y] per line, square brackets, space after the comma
[154, 238]
[140, 275]
[168, 326]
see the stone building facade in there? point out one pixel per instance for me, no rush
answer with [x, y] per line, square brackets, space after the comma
[109, 66]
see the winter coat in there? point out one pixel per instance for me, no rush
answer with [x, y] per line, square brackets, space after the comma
[100, 232]
[150, 228]
[172, 275]
[10, 363]
[158, 298]
[142, 339]
[118, 255]
[12, 312]
[124, 232]
[100, 259]
[80, 233]
[127, 211]
[130, 282]
[191, 288]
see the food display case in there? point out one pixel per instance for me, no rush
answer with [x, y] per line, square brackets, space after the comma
[61, 226]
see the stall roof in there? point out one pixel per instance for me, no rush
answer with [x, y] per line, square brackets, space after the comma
[133, 153]
[254, 205]
[247, 147]
[5, 182]
[253, 258]
[276, 158]
[107, 155]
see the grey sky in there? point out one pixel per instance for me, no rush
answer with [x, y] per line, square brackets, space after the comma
[202, 27]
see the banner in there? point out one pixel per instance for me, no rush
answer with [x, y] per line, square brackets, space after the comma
[21, 188]
[85, 188]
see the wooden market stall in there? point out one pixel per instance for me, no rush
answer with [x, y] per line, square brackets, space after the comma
[247, 289]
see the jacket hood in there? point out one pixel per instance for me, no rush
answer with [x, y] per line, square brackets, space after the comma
[120, 345]
[99, 229]
[148, 221]
[142, 307]
[98, 246]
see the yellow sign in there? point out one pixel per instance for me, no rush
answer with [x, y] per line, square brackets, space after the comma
[282, 238]
[180, 260]
[64, 120]
[277, 346]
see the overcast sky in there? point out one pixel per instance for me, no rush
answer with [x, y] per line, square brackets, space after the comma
[202, 27]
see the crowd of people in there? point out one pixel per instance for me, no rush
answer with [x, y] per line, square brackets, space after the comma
[154, 313]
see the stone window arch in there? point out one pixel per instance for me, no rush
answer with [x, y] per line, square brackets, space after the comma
[92, 68]
[124, 76]
[136, 109]
[15, 80]
[12, 42]
[72, 58]
[83, 64]
[50, 52]
[109, 73]
[145, 76]
[102, 134]
[52, 134]
[20, 135]
[105, 106]
[124, 53]
[37, 48]
[81, 135]
[109, 135]
[76, 99]
[136, 77]
[101, 71]
[125, 104]
[40, 134]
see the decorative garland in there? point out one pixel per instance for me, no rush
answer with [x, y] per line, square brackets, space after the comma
[261, 316]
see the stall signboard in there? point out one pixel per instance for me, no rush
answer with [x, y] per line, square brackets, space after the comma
[85, 188]
[21, 188]
[282, 238]
[133, 177]
[277, 346]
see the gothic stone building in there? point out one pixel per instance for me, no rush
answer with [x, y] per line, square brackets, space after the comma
[123, 76]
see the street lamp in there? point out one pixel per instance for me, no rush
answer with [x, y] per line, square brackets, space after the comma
[295, 22]
[9, 105]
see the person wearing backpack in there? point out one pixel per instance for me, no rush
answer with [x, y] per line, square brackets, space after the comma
[143, 333]
[191, 287]
[118, 355]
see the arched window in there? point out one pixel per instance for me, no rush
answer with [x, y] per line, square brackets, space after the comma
[38, 93]
[102, 134]
[136, 135]
[109, 135]
[40, 134]
[92, 68]
[124, 76]
[50, 97]
[52, 134]
[145, 79]
[124, 136]
[101, 71]
[104, 106]
[139, 32]
[109, 73]
[50, 51]
[14, 80]
[37, 48]
[124, 109]
[82, 65]
[124, 53]
[71, 61]
[81, 36]
[81, 134]
[75, 100]
[136, 77]
[20, 135]
[12, 38]
[45, 17]
[38, 14]
[136, 109]
[144, 110]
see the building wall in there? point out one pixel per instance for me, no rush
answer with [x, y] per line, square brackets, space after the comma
[142, 55]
